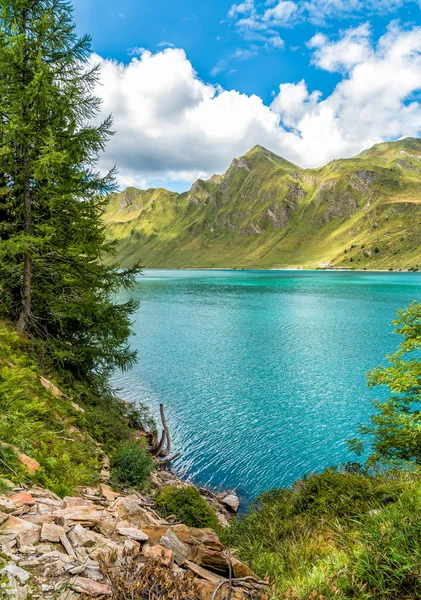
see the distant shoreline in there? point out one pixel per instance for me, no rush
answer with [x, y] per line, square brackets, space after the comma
[301, 269]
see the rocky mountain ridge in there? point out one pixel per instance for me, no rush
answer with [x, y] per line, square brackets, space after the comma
[266, 212]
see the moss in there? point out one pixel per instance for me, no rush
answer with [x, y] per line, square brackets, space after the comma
[187, 505]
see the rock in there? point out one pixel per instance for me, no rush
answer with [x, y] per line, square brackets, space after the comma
[69, 501]
[11, 526]
[213, 560]
[27, 550]
[205, 589]
[45, 495]
[17, 572]
[22, 498]
[82, 538]
[44, 549]
[180, 550]
[232, 502]
[84, 515]
[28, 537]
[241, 570]
[83, 585]
[133, 533]
[109, 494]
[193, 535]
[155, 532]
[126, 507]
[34, 562]
[203, 573]
[64, 540]
[161, 554]
[50, 387]
[131, 548]
[15, 587]
[51, 532]
[77, 408]
[30, 464]
[6, 505]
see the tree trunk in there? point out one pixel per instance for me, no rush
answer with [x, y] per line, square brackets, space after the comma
[25, 315]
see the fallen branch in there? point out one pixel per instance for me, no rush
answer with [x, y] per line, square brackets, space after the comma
[235, 582]
[167, 461]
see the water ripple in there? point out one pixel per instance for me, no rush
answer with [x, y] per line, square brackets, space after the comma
[262, 373]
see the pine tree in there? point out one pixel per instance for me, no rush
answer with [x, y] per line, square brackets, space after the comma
[54, 283]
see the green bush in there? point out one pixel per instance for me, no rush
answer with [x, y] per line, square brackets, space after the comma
[132, 464]
[187, 505]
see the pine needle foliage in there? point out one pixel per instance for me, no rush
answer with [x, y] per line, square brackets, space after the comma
[53, 282]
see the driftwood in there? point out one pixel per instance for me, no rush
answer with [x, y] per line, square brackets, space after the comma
[162, 448]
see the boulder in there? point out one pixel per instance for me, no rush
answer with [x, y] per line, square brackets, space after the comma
[82, 538]
[154, 532]
[109, 494]
[22, 498]
[160, 554]
[83, 585]
[133, 533]
[232, 502]
[83, 515]
[11, 526]
[30, 464]
[171, 542]
[51, 532]
[241, 570]
[69, 501]
[28, 537]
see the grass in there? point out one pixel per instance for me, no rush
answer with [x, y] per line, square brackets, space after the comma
[132, 464]
[337, 535]
[321, 213]
[49, 429]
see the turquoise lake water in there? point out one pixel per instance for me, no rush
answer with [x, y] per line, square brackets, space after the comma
[262, 373]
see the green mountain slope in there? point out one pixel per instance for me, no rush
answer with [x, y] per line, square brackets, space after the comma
[265, 212]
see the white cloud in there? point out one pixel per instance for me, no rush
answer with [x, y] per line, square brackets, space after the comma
[241, 9]
[352, 48]
[239, 55]
[254, 15]
[282, 13]
[172, 125]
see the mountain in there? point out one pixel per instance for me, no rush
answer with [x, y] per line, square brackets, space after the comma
[265, 212]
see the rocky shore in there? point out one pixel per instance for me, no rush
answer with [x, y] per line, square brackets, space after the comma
[105, 541]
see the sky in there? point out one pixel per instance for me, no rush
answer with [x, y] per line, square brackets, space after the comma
[192, 84]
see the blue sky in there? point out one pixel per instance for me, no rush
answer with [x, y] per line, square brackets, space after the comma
[193, 84]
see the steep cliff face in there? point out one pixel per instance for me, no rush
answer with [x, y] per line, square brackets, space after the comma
[266, 212]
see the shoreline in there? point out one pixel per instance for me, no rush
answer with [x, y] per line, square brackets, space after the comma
[288, 269]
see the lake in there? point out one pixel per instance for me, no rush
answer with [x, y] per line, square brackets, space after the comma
[262, 373]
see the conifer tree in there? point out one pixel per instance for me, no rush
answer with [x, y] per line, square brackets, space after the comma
[54, 283]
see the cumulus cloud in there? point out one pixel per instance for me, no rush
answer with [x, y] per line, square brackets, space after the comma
[352, 48]
[171, 125]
